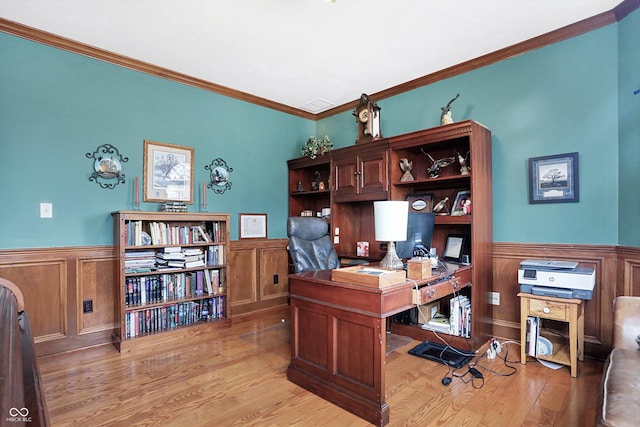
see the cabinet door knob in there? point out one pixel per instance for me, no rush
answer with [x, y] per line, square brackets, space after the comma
[546, 310]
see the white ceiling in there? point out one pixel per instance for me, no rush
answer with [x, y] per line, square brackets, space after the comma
[301, 52]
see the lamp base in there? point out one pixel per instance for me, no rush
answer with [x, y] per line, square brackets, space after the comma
[391, 259]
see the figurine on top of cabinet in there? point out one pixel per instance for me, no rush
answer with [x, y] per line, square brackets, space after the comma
[445, 116]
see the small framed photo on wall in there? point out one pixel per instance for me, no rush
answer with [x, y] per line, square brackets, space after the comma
[252, 226]
[554, 179]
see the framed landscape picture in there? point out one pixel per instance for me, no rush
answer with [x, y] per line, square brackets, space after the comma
[554, 179]
[168, 173]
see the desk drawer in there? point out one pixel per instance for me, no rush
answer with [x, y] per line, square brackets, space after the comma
[549, 309]
[430, 293]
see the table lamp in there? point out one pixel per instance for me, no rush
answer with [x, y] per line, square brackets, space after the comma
[391, 226]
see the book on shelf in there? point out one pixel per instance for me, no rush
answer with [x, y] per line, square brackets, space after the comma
[170, 256]
[460, 316]
[532, 333]
[207, 278]
[215, 255]
[199, 235]
[194, 263]
[438, 323]
[164, 287]
[192, 251]
[171, 249]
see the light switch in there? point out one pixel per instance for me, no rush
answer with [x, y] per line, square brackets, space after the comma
[336, 240]
[46, 210]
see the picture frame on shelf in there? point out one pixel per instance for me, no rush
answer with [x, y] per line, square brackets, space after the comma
[168, 172]
[462, 204]
[252, 226]
[420, 202]
[554, 179]
[454, 247]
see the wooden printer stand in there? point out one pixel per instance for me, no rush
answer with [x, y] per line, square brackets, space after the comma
[568, 310]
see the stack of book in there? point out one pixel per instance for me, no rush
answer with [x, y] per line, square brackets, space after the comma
[173, 207]
[438, 323]
[193, 257]
[139, 261]
[170, 257]
[177, 257]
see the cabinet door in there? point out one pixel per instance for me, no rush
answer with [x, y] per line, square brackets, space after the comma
[373, 172]
[347, 177]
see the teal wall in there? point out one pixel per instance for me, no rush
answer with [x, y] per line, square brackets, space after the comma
[629, 106]
[575, 95]
[558, 99]
[56, 106]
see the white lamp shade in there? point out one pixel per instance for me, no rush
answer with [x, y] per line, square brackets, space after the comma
[391, 220]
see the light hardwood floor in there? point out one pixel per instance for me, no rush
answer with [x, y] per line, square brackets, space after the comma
[237, 377]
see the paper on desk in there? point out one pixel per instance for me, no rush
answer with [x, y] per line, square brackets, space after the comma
[374, 271]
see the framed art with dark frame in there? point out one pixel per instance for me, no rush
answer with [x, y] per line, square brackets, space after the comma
[168, 173]
[554, 179]
[252, 226]
[454, 248]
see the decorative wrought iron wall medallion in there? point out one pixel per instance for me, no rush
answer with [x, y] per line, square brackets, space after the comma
[219, 175]
[107, 166]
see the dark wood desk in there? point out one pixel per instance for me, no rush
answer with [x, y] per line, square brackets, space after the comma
[338, 340]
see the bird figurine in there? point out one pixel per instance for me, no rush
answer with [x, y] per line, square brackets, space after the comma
[441, 207]
[406, 166]
[445, 116]
[434, 169]
[464, 167]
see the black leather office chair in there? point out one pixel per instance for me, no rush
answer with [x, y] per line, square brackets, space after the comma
[310, 245]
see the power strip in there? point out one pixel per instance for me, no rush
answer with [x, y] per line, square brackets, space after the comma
[494, 349]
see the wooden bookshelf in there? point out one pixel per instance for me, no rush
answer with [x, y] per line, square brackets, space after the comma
[172, 274]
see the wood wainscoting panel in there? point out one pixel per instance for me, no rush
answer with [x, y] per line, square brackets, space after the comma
[43, 284]
[97, 282]
[598, 310]
[274, 262]
[54, 282]
[242, 276]
[253, 265]
[629, 262]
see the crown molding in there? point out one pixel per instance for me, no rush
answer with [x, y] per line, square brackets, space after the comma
[564, 33]
[46, 38]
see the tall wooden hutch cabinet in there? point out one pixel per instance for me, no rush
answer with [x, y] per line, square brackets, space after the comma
[371, 171]
[472, 142]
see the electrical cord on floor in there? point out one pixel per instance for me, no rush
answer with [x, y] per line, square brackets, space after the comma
[472, 375]
[512, 369]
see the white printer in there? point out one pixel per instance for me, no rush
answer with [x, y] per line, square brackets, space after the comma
[562, 279]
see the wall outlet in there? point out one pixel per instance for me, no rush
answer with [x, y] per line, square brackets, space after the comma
[494, 298]
[87, 306]
[275, 279]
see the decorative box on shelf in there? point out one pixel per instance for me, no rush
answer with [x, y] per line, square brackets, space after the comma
[376, 277]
